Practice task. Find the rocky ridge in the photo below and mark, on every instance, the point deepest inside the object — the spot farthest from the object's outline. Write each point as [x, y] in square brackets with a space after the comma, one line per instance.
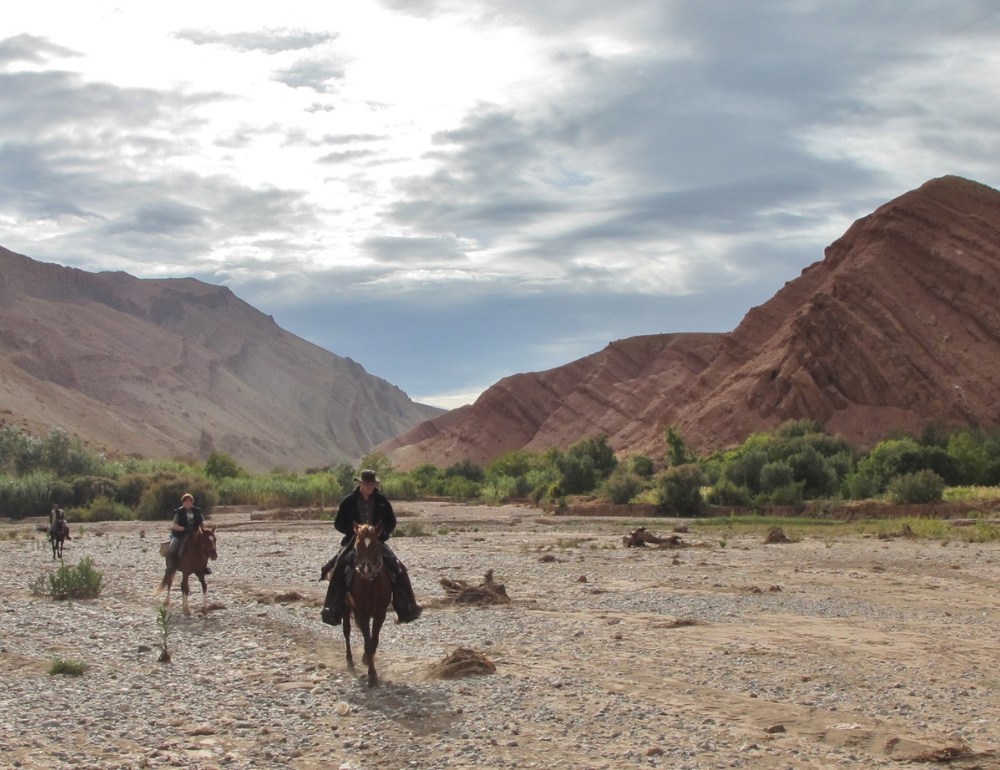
[177, 366]
[896, 328]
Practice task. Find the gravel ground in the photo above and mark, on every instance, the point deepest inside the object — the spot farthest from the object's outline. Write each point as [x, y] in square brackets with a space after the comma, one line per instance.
[851, 651]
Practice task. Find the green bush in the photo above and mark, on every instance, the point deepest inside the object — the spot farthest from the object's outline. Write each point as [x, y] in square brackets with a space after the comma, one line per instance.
[577, 474]
[641, 466]
[621, 486]
[499, 489]
[514, 463]
[601, 455]
[461, 488]
[921, 487]
[86, 488]
[28, 495]
[728, 493]
[165, 491]
[101, 509]
[775, 475]
[412, 529]
[61, 667]
[219, 465]
[859, 486]
[789, 494]
[79, 582]
[467, 469]
[678, 489]
[399, 486]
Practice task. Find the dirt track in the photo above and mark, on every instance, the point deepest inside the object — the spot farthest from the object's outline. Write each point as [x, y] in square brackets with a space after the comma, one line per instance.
[865, 652]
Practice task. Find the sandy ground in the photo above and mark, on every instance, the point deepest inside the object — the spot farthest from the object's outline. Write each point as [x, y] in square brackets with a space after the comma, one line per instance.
[824, 653]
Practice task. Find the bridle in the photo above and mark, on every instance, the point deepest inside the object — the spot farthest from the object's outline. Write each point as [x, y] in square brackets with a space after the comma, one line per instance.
[369, 568]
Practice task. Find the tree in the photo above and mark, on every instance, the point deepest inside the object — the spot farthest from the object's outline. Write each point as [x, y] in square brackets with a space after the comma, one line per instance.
[219, 465]
[677, 451]
[378, 462]
[678, 489]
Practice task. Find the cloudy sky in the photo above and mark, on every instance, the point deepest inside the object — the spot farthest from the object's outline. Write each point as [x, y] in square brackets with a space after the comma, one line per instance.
[451, 192]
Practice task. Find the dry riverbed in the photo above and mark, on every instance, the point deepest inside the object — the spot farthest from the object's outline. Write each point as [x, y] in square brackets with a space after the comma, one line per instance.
[829, 652]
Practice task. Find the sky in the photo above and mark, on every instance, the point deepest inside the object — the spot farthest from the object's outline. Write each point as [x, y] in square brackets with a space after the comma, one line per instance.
[453, 192]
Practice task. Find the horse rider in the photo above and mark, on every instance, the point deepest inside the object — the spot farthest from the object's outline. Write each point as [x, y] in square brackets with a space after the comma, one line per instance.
[187, 520]
[57, 522]
[366, 505]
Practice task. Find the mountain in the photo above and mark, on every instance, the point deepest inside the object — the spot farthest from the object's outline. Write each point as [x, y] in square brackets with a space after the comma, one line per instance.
[896, 328]
[176, 366]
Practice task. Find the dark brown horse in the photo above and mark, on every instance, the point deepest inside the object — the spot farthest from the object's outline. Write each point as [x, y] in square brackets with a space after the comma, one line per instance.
[58, 534]
[193, 559]
[371, 590]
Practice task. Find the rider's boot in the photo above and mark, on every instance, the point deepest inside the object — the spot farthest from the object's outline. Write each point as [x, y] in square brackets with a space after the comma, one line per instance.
[403, 600]
[333, 607]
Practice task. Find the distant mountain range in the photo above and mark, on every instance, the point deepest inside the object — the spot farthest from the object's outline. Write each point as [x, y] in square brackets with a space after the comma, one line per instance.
[897, 328]
[180, 367]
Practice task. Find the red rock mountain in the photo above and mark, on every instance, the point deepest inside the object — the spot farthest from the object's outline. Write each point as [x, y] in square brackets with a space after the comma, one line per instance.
[177, 366]
[898, 327]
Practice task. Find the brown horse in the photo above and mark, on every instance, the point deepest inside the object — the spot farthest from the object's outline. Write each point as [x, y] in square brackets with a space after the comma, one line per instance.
[57, 536]
[371, 590]
[194, 556]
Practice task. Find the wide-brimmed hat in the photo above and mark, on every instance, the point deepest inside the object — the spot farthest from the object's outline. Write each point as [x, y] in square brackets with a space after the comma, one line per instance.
[369, 477]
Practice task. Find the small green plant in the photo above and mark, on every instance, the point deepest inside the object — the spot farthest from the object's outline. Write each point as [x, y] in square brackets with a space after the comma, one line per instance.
[443, 530]
[79, 582]
[60, 667]
[411, 529]
[921, 487]
[723, 543]
[165, 622]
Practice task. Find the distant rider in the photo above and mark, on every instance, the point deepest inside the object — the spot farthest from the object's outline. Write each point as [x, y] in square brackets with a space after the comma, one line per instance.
[366, 505]
[57, 522]
[187, 520]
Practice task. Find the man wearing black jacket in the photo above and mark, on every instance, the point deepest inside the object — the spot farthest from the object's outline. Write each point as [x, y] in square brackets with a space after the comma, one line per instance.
[366, 505]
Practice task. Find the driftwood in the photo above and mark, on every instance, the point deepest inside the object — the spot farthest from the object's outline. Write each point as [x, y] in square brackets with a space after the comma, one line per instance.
[639, 538]
[776, 535]
[461, 663]
[487, 592]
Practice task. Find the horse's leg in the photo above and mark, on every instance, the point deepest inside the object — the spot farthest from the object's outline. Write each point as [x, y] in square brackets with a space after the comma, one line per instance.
[204, 593]
[347, 639]
[185, 590]
[369, 651]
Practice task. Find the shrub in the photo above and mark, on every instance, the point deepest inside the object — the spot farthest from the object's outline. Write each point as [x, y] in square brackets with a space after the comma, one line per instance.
[621, 486]
[789, 494]
[499, 489]
[514, 463]
[577, 474]
[744, 469]
[412, 529]
[728, 493]
[101, 509]
[86, 488]
[79, 582]
[165, 491]
[60, 667]
[921, 487]
[219, 465]
[678, 489]
[467, 469]
[399, 486]
[26, 495]
[600, 453]
[775, 475]
[641, 466]
[461, 488]
[677, 451]
[131, 488]
[859, 486]
[376, 461]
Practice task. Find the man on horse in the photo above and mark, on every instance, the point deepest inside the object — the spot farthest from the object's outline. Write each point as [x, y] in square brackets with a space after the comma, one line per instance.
[187, 520]
[366, 505]
[57, 522]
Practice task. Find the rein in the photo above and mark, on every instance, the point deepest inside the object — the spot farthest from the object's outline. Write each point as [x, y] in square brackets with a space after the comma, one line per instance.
[373, 565]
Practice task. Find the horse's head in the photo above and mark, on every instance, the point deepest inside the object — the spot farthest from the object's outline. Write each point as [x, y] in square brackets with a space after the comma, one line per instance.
[369, 549]
[208, 542]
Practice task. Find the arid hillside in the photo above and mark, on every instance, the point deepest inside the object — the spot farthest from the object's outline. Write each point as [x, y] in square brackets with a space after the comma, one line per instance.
[177, 366]
[896, 328]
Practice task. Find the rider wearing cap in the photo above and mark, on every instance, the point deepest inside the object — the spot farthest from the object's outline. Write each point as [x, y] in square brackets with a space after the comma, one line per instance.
[366, 505]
